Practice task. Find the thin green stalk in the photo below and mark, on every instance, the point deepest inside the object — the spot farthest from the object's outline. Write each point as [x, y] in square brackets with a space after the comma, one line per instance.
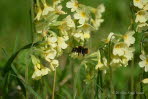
[132, 79]
[111, 72]
[54, 83]
[73, 77]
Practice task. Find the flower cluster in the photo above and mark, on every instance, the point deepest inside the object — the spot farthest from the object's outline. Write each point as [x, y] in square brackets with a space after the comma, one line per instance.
[142, 21]
[141, 15]
[120, 50]
[52, 42]
[58, 30]
[83, 21]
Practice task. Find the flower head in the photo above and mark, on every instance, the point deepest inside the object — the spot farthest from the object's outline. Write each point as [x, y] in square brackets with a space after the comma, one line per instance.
[119, 48]
[82, 16]
[144, 62]
[73, 4]
[140, 3]
[141, 16]
[128, 38]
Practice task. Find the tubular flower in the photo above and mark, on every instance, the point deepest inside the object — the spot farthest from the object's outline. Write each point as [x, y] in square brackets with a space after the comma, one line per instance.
[140, 3]
[144, 62]
[73, 4]
[39, 69]
[128, 38]
[101, 65]
[81, 16]
[119, 48]
[142, 27]
[141, 16]
[145, 81]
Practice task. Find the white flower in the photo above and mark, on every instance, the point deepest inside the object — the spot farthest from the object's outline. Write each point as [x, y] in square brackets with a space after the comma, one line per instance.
[119, 48]
[128, 38]
[78, 36]
[54, 64]
[110, 37]
[81, 16]
[142, 27]
[70, 22]
[115, 60]
[58, 9]
[97, 22]
[141, 16]
[101, 65]
[73, 4]
[47, 9]
[61, 43]
[45, 71]
[145, 7]
[128, 54]
[37, 74]
[144, 62]
[139, 3]
[86, 28]
[52, 41]
[50, 54]
[38, 16]
[145, 81]
[86, 35]
[100, 9]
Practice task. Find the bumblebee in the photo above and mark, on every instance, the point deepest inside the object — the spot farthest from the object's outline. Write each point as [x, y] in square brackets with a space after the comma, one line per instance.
[80, 50]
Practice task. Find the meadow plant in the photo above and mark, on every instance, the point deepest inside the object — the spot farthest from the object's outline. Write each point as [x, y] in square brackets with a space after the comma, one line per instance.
[59, 28]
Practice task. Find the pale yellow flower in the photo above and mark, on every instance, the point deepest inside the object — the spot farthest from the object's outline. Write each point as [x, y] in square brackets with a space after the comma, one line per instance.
[141, 16]
[144, 62]
[140, 3]
[47, 9]
[54, 64]
[50, 54]
[62, 43]
[101, 65]
[119, 48]
[70, 22]
[128, 53]
[52, 41]
[81, 16]
[110, 37]
[58, 9]
[128, 38]
[97, 22]
[79, 36]
[38, 16]
[145, 7]
[142, 27]
[38, 73]
[145, 81]
[100, 9]
[73, 4]
[86, 35]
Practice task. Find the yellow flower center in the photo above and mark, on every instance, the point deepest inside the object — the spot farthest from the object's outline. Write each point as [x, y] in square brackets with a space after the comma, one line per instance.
[83, 14]
[76, 4]
[147, 61]
[125, 36]
[137, 0]
[141, 13]
[118, 46]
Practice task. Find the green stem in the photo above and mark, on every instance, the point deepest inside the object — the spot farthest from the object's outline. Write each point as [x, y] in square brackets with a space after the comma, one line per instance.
[132, 78]
[54, 83]
[111, 73]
